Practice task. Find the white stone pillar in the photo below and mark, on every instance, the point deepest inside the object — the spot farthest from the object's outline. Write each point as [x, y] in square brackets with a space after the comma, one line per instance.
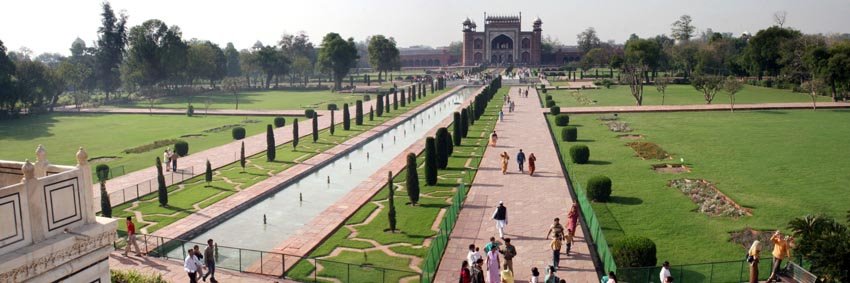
[41, 162]
[86, 186]
[35, 199]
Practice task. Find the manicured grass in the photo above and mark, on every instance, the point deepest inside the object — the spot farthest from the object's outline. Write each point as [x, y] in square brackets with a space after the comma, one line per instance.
[251, 100]
[111, 134]
[781, 164]
[414, 223]
[231, 178]
[619, 95]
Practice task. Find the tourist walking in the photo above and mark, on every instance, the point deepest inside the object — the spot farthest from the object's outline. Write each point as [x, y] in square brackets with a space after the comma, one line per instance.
[501, 116]
[465, 274]
[520, 160]
[509, 253]
[557, 229]
[197, 251]
[504, 156]
[166, 158]
[534, 274]
[780, 251]
[555, 245]
[501, 217]
[174, 156]
[550, 275]
[191, 266]
[665, 272]
[131, 237]
[209, 261]
[531, 167]
[477, 272]
[753, 259]
[572, 224]
[473, 255]
[612, 278]
[493, 139]
[493, 266]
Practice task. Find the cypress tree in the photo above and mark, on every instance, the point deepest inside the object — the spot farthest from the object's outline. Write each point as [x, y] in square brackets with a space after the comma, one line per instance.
[270, 148]
[208, 174]
[295, 136]
[102, 175]
[403, 99]
[451, 146]
[162, 190]
[315, 128]
[346, 118]
[371, 114]
[395, 100]
[413, 93]
[430, 161]
[380, 105]
[412, 179]
[456, 128]
[358, 113]
[387, 103]
[391, 201]
[464, 122]
[333, 127]
[442, 148]
[242, 156]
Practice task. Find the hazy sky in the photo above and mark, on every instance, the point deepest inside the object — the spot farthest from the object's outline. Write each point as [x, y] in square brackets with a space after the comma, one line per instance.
[51, 25]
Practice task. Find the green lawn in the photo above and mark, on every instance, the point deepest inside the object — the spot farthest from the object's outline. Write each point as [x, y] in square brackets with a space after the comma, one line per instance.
[194, 194]
[414, 222]
[252, 100]
[781, 164]
[111, 134]
[676, 95]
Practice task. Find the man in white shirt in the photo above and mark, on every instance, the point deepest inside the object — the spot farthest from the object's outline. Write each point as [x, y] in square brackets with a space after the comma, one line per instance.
[191, 265]
[472, 256]
[501, 217]
[665, 272]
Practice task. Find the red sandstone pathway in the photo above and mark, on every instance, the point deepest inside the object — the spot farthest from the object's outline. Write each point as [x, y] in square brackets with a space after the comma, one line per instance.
[698, 107]
[218, 156]
[172, 270]
[532, 202]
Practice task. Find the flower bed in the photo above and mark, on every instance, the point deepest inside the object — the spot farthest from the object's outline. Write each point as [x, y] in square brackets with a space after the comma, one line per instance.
[648, 150]
[710, 200]
[618, 126]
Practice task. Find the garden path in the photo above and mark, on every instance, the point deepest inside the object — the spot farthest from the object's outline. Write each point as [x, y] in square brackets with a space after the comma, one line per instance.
[698, 107]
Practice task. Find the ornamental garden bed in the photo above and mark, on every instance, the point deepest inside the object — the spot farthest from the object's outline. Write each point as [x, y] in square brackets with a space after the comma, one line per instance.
[670, 168]
[648, 150]
[710, 200]
[630, 137]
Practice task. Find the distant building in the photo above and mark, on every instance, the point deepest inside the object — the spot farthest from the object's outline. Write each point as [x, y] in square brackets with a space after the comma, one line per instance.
[502, 42]
[426, 57]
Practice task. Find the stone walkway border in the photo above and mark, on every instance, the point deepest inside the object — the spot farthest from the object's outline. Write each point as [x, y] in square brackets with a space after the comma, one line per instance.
[698, 107]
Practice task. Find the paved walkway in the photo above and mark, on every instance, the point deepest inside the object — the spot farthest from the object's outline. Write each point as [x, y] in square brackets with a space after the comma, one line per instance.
[697, 107]
[532, 202]
[145, 180]
[172, 270]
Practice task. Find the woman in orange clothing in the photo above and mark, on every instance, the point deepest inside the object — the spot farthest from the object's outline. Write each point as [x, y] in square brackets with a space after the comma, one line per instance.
[531, 160]
[493, 139]
[505, 159]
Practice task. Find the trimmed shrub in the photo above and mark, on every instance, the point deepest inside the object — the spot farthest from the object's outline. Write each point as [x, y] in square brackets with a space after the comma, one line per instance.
[580, 154]
[555, 110]
[332, 107]
[569, 133]
[371, 113]
[635, 251]
[208, 173]
[105, 204]
[161, 190]
[238, 133]
[379, 106]
[315, 130]
[358, 112]
[431, 161]
[101, 172]
[181, 148]
[190, 111]
[310, 113]
[412, 181]
[562, 120]
[548, 97]
[279, 122]
[442, 144]
[295, 135]
[391, 201]
[544, 90]
[242, 161]
[366, 97]
[346, 117]
[271, 150]
[457, 129]
[550, 103]
[599, 188]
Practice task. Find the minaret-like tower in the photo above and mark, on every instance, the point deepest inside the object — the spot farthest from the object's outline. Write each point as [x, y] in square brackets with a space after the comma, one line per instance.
[468, 30]
[536, 44]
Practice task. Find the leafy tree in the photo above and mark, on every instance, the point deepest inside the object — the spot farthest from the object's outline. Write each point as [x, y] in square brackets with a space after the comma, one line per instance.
[661, 85]
[412, 182]
[315, 128]
[587, 40]
[208, 174]
[162, 190]
[156, 54]
[763, 53]
[272, 62]
[431, 161]
[641, 55]
[709, 85]
[682, 29]
[299, 49]
[242, 156]
[231, 85]
[684, 56]
[270, 144]
[337, 56]
[732, 86]
[442, 145]
[295, 135]
[825, 243]
[346, 117]
[205, 61]
[102, 171]
[111, 43]
[391, 201]
[383, 54]
[233, 65]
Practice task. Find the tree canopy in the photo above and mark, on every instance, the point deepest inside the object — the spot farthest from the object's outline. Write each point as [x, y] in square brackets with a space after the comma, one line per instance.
[337, 57]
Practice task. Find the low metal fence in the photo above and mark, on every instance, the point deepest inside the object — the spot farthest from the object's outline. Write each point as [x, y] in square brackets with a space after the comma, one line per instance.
[140, 189]
[438, 244]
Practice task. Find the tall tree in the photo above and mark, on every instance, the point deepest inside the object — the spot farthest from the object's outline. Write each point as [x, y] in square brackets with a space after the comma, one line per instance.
[641, 55]
[391, 201]
[271, 150]
[301, 52]
[156, 53]
[272, 62]
[162, 189]
[295, 136]
[732, 86]
[383, 55]
[442, 146]
[205, 61]
[587, 40]
[457, 128]
[337, 57]
[111, 43]
[431, 161]
[233, 68]
[315, 128]
[412, 182]
[682, 29]
[346, 117]
[763, 53]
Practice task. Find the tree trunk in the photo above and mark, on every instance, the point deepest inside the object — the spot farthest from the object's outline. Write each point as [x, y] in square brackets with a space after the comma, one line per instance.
[268, 79]
[834, 99]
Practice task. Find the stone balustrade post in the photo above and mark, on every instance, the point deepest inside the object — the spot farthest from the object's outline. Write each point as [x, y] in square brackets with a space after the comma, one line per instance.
[35, 205]
[86, 185]
[41, 162]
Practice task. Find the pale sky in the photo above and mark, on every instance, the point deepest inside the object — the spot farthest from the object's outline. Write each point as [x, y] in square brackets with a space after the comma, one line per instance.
[51, 25]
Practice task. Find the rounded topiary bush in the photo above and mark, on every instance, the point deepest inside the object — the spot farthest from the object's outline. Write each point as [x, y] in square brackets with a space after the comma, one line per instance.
[562, 120]
[190, 111]
[279, 122]
[550, 103]
[310, 113]
[181, 148]
[544, 90]
[599, 188]
[548, 97]
[332, 107]
[580, 154]
[238, 133]
[635, 251]
[569, 134]
[366, 97]
[102, 172]
[555, 110]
